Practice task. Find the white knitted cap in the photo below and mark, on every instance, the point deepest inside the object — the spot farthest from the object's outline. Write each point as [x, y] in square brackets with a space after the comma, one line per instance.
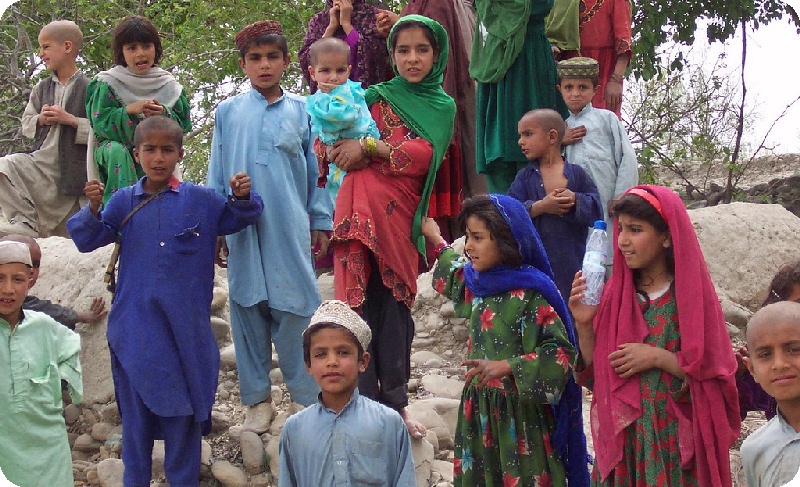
[339, 313]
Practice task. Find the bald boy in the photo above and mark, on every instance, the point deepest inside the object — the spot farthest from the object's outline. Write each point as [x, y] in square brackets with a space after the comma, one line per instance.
[38, 190]
[771, 455]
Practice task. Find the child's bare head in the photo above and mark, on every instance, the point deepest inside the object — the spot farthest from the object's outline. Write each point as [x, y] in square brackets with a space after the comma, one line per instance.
[327, 46]
[548, 119]
[62, 31]
[773, 342]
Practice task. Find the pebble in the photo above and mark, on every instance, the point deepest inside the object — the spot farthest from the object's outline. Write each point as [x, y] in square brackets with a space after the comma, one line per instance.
[114, 443]
[235, 431]
[86, 443]
[273, 455]
[110, 413]
[228, 474]
[102, 431]
[205, 453]
[109, 472]
[227, 385]
[71, 413]
[221, 329]
[252, 452]
[224, 395]
[276, 376]
[447, 310]
[277, 395]
[219, 299]
[219, 421]
[227, 358]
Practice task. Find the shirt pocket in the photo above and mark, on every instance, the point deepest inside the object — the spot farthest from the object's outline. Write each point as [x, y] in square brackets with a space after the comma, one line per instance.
[289, 138]
[367, 461]
[187, 241]
[45, 386]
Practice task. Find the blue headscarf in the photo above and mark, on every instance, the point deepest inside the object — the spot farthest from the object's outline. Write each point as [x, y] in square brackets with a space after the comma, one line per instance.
[535, 273]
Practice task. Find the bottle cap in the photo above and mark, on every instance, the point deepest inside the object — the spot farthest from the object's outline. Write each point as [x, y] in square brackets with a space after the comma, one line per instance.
[600, 225]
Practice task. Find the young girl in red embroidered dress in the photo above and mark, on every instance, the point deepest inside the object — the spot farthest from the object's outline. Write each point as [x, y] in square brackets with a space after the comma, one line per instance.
[656, 354]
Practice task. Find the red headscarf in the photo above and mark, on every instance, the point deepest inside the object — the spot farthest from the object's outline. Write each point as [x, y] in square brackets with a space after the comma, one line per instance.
[709, 424]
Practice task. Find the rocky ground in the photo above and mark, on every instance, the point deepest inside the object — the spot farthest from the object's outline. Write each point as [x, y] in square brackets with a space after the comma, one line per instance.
[760, 237]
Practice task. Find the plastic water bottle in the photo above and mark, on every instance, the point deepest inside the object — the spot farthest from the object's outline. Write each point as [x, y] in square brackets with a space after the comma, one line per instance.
[594, 263]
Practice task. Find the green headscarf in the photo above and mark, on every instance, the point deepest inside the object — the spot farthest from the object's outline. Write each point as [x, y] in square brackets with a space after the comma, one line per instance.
[423, 107]
[500, 28]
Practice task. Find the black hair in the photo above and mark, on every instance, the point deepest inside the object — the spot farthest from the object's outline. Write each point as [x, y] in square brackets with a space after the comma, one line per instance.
[321, 326]
[408, 24]
[595, 80]
[548, 119]
[135, 28]
[265, 39]
[783, 283]
[158, 123]
[637, 207]
[482, 208]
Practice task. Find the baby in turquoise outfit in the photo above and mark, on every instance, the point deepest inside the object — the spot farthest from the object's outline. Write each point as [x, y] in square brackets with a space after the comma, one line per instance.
[338, 110]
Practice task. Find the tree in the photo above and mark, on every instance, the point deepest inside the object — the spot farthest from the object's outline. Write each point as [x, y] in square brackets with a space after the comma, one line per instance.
[661, 22]
[198, 49]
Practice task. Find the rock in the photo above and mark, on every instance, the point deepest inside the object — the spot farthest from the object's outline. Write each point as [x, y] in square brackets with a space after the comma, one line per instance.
[735, 314]
[276, 376]
[86, 443]
[227, 358]
[114, 443]
[277, 425]
[253, 455]
[109, 472]
[424, 358]
[228, 475]
[219, 422]
[158, 456]
[422, 451]
[442, 386]
[71, 413]
[431, 437]
[277, 395]
[447, 310]
[91, 475]
[258, 417]
[460, 334]
[261, 480]
[221, 329]
[102, 431]
[235, 431]
[444, 469]
[424, 412]
[273, 456]
[219, 299]
[205, 453]
[110, 413]
[744, 244]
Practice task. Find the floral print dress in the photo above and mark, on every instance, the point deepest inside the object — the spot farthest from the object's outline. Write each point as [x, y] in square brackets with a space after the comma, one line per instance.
[503, 431]
[651, 454]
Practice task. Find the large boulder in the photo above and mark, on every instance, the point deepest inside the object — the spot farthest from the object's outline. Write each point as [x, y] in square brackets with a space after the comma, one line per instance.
[744, 244]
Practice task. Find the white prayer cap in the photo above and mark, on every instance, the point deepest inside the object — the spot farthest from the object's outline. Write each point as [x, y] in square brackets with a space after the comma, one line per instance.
[14, 253]
[339, 313]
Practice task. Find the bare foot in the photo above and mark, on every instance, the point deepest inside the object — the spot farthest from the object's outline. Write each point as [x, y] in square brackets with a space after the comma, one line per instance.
[415, 428]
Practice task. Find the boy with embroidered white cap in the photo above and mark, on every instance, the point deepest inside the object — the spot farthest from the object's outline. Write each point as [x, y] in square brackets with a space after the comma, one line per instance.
[36, 353]
[344, 438]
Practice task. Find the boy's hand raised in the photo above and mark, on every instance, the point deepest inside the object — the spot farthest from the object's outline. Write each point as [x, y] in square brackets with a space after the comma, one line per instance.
[240, 185]
[573, 135]
[94, 191]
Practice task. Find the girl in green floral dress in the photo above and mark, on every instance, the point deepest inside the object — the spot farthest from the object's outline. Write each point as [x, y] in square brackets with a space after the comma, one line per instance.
[119, 98]
[519, 421]
[656, 354]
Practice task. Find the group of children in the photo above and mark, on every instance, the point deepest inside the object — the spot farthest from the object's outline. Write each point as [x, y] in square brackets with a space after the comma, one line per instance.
[655, 352]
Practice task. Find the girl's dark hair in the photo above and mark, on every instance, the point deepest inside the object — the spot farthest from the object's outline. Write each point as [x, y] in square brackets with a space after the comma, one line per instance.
[135, 28]
[425, 30]
[482, 208]
[637, 207]
[787, 277]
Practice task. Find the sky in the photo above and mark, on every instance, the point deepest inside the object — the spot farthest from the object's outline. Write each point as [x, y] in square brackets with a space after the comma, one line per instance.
[772, 73]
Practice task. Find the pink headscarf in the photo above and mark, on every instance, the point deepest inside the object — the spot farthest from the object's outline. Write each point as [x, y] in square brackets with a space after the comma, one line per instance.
[709, 424]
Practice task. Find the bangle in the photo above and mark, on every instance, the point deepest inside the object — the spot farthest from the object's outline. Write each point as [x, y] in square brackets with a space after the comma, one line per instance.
[369, 146]
[437, 251]
[616, 77]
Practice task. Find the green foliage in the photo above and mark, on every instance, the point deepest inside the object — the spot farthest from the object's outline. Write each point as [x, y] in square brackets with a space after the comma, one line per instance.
[659, 22]
[198, 49]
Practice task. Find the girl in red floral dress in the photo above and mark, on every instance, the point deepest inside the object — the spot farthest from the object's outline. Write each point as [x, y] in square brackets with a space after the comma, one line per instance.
[657, 355]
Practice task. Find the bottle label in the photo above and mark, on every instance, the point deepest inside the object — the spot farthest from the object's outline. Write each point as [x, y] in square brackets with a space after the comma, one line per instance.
[594, 260]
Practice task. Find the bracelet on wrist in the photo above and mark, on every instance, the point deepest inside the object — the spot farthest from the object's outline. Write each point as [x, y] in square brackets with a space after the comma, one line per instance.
[437, 251]
[369, 146]
[616, 77]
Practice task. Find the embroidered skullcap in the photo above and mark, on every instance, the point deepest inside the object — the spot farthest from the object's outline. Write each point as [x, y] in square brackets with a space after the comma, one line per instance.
[255, 30]
[339, 313]
[578, 67]
[14, 253]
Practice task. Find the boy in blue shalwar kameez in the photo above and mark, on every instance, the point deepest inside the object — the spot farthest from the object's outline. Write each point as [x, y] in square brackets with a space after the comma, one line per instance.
[164, 358]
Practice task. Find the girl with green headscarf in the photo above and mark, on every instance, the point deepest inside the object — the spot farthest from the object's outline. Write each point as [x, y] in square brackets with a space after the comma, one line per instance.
[376, 239]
